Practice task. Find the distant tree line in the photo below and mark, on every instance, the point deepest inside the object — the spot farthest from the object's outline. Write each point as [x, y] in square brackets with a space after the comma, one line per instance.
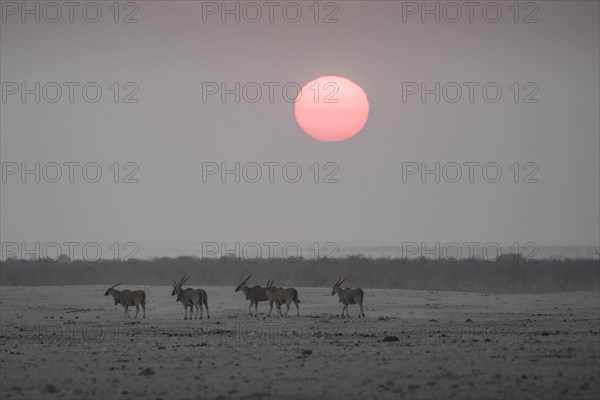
[508, 274]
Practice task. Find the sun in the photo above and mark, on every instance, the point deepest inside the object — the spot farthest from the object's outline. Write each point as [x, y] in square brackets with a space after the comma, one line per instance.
[331, 108]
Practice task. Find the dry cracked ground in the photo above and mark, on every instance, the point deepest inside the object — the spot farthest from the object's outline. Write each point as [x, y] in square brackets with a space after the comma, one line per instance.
[71, 342]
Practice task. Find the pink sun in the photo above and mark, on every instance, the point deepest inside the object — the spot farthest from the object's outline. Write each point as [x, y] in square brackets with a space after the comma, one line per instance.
[331, 108]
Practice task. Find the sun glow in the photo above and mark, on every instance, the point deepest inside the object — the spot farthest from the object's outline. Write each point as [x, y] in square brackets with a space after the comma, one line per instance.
[331, 108]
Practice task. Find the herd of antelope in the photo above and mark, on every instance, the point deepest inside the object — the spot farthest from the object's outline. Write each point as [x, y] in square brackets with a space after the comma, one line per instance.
[196, 298]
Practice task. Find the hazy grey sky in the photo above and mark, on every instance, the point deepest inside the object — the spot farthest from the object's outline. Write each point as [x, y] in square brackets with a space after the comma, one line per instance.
[170, 132]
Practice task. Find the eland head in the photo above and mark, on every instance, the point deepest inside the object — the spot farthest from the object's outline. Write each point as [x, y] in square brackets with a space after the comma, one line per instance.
[107, 293]
[338, 284]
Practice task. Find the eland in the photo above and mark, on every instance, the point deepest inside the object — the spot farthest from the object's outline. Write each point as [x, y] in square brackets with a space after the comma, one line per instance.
[190, 298]
[128, 298]
[255, 295]
[283, 295]
[349, 296]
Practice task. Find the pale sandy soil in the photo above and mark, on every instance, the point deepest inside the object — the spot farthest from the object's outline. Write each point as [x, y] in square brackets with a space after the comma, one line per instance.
[72, 342]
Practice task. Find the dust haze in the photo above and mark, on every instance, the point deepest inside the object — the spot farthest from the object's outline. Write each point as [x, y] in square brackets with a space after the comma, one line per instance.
[143, 143]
